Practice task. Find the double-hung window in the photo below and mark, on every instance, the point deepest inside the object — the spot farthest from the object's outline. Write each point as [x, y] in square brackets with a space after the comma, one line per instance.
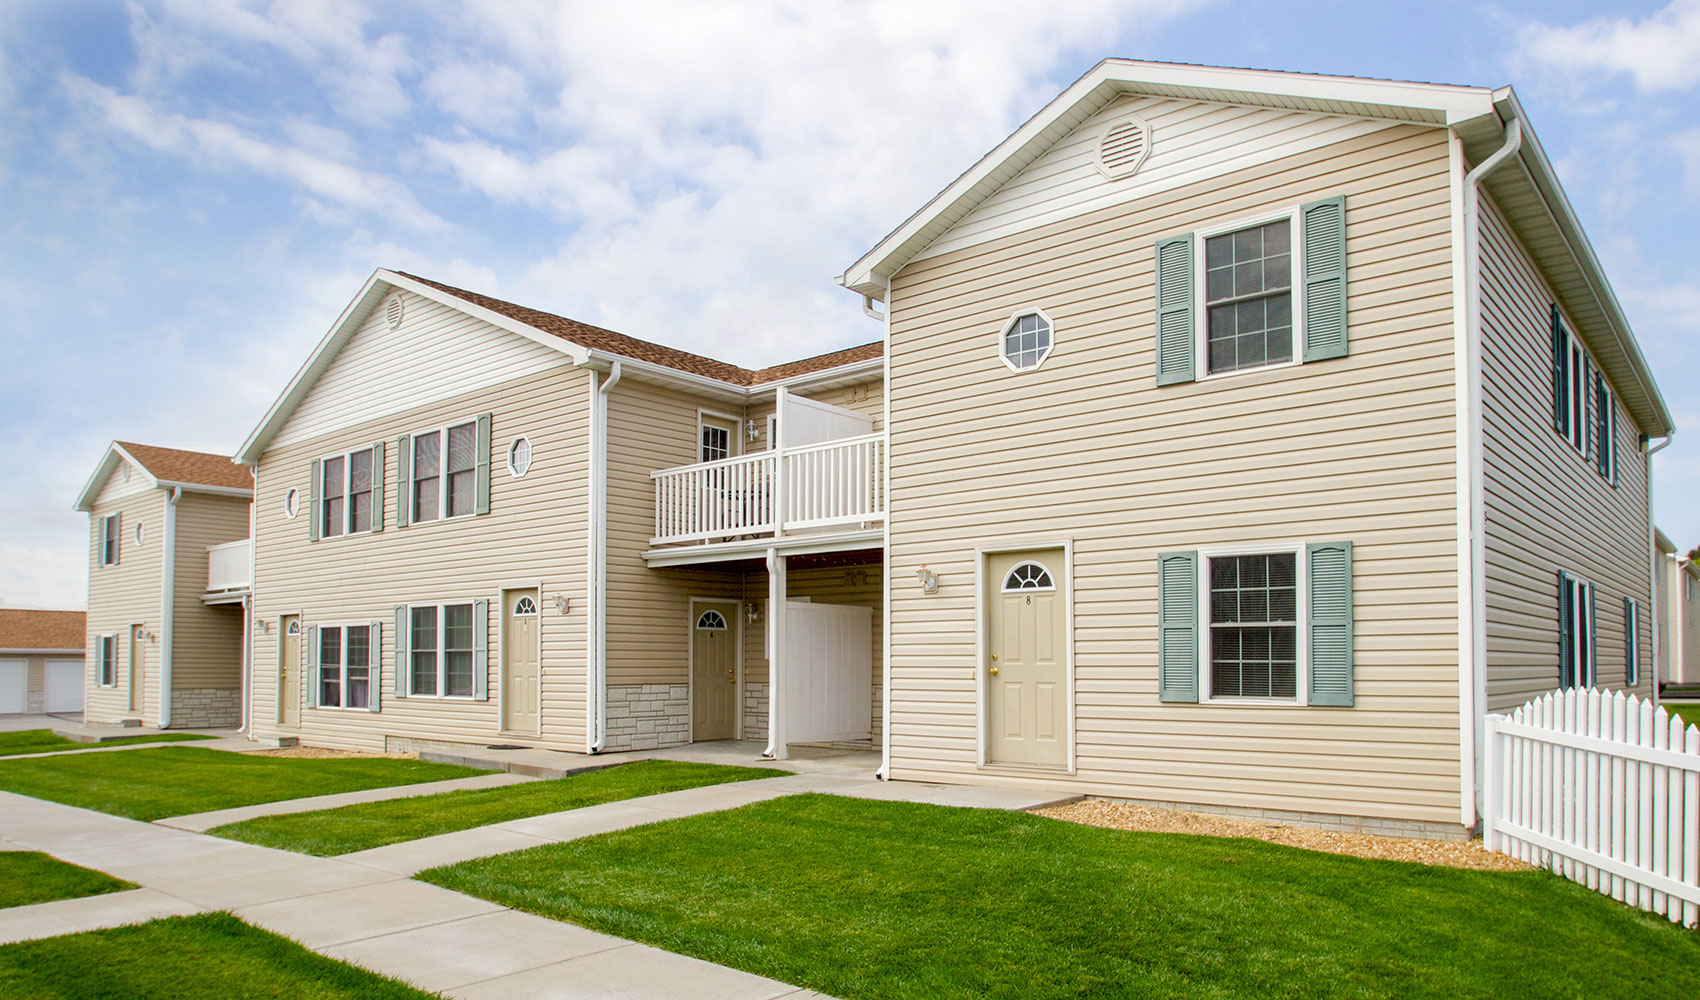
[445, 464]
[1584, 411]
[108, 660]
[1254, 625]
[109, 527]
[345, 666]
[1248, 297]
[1631, 641]
[1576, 646]
[345, 494]
[440, 650]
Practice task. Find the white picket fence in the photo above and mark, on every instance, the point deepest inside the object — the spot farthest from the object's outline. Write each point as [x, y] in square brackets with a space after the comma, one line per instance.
[1603, 789]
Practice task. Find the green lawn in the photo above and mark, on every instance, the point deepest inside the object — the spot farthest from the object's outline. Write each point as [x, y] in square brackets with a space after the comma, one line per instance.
[1689, 711]
[357, 828]
[43, 741]
[210, 956]
[31, 877]
[865, 899]
[172, 781]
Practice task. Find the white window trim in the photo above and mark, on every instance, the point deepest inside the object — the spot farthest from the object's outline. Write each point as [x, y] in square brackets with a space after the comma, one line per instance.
[100, 648]
[1301, 635]
[110, 528]
[1586, 598]
[1581, 411]
[1632, 628]
[292, 503]
[374, 668]
[1003, 344]
[442, 473]
[442, 659]
[734, 435]
[515, 472]
[1004, 588]
[1201, 312]
[347, 495]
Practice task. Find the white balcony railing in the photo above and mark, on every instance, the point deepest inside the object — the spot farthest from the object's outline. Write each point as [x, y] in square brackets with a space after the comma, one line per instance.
[836, 484]
[229, 566]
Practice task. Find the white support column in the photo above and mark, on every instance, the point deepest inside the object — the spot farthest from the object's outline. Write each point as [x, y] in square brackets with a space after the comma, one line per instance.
[776, 666]
[779, 491]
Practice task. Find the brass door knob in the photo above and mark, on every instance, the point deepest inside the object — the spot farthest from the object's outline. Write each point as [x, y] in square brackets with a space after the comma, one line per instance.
[994, 671]
[731, 678]
[994, 657]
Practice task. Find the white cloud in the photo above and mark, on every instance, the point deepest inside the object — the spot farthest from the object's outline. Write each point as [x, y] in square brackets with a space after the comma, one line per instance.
[485, 95]
[1661, 51]
[216, 144]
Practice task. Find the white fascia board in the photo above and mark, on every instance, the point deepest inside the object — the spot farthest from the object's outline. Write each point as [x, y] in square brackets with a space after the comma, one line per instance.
[1662, 541]
[1545, 179]
[1438, 103]
[33, 651]
[222, 491]
[852, 370]
[108, 461]
[601, 360]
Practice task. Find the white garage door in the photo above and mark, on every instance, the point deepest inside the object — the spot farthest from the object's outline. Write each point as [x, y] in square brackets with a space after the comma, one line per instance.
[64, 685]
[14, 676]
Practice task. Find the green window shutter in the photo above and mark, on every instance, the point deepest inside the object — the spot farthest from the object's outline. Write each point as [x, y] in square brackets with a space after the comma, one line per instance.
[378, 486]
[375, 672]
[402, 636]
[100, 552]
[313, 501]
[483, 475]
[403, 479]
[1177, 627]
[1175, 331]
[480, 650]
[1560, 384]
[1631, 625]
[313, 664]
[1329, 566]
[1323, 264]
[117, 538]
[1566, 669]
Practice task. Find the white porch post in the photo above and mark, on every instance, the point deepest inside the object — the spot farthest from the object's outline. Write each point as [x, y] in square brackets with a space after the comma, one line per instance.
[779, 491]
[776, 690]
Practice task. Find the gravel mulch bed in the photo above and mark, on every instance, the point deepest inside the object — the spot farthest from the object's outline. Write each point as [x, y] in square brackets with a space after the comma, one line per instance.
[321, 753]
[1124, 816]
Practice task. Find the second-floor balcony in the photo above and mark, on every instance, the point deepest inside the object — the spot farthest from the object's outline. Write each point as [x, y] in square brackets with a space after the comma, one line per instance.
[835, 485]
[230, 571]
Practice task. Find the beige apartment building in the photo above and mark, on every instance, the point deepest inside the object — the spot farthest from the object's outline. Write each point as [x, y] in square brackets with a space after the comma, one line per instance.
[1234, 439]
[169, 565]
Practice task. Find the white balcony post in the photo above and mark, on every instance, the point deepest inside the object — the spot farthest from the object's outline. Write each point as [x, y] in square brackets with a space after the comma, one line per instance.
[776, 687]
[779, 490]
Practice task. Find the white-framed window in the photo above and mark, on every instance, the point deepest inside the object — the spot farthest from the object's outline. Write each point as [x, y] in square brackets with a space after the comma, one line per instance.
[1604, 429]
[108, 653]
[1026, 340]
[110, 525]
[1029, 576]
[1576, 639]
[1631, 641]
[711, 621]
[292, 503]
[717, 435]
[444, 472]
[1253, 614]
[1247, 295]
[525, 607]
[346, 658]
[345, 493]
[1584, 409]
[139, 532]
[440, 661]
[519, 457]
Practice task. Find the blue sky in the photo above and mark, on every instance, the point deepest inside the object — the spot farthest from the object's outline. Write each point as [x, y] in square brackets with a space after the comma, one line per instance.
[191, 192]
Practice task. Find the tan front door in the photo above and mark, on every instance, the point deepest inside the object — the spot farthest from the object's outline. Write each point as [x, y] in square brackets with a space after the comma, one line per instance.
[1026, 667]
[289, 671]
[138, 667]
[714, 671]
[520, 621]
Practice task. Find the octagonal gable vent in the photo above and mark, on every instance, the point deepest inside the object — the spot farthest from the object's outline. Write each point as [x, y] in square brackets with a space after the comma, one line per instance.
[392, 311]
[1124, 147]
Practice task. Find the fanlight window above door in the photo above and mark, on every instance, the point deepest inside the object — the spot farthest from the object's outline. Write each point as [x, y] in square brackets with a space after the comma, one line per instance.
[1028, 576]
[525, 606]
[712, 620]
[295, 628]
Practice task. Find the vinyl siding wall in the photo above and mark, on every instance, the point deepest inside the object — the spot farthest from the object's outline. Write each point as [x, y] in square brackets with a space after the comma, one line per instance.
[1547, 508]
[535, 534]
[1088, 448]
[122, 595]
[206, 641]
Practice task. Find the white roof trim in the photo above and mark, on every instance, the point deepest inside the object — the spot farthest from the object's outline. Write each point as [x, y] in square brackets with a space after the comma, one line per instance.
[1429, 103]
[115, 453]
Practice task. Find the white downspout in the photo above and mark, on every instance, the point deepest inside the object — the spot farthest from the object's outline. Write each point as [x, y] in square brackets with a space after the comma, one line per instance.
[168, 598]
[596, 681]
[248, 629]
[884, 772]
[1649, 449]
[1472, 593]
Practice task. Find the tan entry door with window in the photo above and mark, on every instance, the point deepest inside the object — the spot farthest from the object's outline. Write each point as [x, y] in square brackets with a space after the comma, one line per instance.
[714, 671]
[289, 671]
[1026, 668]
[520, 622]
[138, 668]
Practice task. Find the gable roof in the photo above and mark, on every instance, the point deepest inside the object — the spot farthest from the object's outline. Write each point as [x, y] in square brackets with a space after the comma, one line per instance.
[583, 343]
[59, 631]
[1530, 194]
[197, 471]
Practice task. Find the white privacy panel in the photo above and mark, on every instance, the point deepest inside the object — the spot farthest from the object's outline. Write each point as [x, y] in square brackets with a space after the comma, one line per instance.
[829, 661]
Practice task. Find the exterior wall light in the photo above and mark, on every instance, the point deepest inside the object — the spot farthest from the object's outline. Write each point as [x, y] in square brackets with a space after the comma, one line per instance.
[929, 580]
[752, 612]
[562, 604]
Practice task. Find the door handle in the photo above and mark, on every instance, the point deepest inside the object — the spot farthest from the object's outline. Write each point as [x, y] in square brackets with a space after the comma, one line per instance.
[731, 678]
[994, 657]
[994, 671]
